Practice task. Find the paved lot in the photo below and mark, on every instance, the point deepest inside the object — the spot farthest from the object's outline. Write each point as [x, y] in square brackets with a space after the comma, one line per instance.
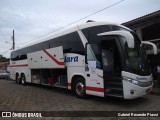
[15, 97]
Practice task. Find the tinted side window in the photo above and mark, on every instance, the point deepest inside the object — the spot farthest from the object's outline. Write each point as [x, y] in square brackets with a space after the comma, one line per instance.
[36, 47]
[17, 56]
[71, 43]
[91, 33]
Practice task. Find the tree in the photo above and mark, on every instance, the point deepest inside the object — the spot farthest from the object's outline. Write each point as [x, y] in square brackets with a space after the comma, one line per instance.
[3, 59]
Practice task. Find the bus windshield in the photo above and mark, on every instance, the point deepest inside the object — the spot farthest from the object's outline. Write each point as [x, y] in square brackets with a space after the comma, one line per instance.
[135, 60]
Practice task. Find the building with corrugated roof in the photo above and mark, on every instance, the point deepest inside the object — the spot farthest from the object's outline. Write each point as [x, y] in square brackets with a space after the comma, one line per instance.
[147, 27]
[4, 65]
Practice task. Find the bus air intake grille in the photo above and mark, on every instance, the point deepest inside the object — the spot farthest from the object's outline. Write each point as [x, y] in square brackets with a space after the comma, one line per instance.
[145, 84]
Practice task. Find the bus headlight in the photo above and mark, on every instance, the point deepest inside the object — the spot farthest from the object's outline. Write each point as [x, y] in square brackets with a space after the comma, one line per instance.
[135, 82]
[131, 80]
[139, 83]
[127, 79]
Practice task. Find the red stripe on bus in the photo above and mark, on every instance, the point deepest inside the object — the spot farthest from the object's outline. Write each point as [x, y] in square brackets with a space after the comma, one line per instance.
[95, 89]
[59, 63]
[22, 65]
[69, 84]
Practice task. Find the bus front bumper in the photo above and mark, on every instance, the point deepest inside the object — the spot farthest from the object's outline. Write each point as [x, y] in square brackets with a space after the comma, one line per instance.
[132, 91]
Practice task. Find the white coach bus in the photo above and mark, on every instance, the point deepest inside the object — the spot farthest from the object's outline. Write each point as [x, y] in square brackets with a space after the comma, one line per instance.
[95, 58]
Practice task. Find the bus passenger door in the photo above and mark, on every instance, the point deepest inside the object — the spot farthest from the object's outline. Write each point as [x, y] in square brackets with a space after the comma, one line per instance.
[112, 67]
[94, 73]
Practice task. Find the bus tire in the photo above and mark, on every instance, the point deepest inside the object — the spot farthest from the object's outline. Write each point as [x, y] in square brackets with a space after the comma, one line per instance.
[18, 81]
[79, 88]
[23, 79]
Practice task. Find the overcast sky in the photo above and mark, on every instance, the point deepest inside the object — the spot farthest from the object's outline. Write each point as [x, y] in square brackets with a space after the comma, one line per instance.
[33, 18]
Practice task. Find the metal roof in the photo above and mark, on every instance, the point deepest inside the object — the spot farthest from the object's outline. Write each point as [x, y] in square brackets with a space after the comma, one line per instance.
[3, 63]
[149, 17]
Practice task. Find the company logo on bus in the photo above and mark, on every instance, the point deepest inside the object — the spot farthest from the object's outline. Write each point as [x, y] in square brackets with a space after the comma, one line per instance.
[13, 63]
[141, 78]
[71, 59]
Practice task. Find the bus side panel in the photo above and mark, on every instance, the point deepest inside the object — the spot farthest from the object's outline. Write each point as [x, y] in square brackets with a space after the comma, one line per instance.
[28, 75]
[74, 71]
[48, 58]
[75, 64]
[76, 67]
[19, 66]
[94, 82]
[12, 73]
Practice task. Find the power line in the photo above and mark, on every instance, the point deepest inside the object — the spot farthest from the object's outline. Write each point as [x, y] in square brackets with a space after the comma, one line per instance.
[5, 52]
[3, 35]
[77, 20]
[4, 46]
[73, 22]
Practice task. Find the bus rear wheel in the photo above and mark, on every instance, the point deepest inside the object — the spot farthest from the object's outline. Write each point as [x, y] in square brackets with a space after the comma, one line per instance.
[79, 88]
[18, 81]
[23, 79]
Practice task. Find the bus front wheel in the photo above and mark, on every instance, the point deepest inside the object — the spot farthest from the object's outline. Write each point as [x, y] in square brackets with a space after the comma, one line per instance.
[79, 88]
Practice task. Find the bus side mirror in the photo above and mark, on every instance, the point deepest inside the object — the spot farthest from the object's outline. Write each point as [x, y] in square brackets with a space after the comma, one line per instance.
[149, 48]
[129, 37]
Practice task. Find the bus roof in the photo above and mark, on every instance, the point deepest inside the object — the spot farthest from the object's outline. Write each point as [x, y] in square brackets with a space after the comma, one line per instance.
[70, 30]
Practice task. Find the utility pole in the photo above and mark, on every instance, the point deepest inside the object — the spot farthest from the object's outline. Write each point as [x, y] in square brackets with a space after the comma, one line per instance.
[13, 41]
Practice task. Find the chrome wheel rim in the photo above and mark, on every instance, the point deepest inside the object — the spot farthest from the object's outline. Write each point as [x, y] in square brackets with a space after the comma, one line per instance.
[80, 88]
